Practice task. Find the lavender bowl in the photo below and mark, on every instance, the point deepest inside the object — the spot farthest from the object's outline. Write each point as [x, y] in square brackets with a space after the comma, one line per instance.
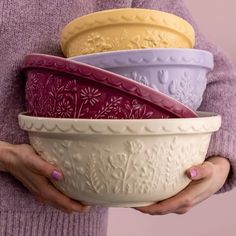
[59, 88]
[179, 73]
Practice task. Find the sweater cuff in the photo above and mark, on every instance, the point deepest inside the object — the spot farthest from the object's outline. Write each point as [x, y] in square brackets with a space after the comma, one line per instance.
[224, 144]
[53, 223]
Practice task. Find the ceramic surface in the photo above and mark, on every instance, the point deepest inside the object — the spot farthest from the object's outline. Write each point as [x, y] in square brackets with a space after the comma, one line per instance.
[121, 29]
[122, 163]
[179, 73]
[56, 87]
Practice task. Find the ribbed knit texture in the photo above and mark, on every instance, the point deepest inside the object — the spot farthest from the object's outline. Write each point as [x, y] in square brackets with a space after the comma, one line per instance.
[28, 26]
[26, 223]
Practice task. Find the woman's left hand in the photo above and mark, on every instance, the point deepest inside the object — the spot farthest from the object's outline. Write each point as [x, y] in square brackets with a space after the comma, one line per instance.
[207, 179]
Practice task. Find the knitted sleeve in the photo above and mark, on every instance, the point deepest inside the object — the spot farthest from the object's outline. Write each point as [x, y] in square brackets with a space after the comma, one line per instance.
[220, 94]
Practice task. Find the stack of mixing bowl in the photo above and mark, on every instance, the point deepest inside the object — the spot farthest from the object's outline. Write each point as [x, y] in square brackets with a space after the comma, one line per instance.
[118, 116]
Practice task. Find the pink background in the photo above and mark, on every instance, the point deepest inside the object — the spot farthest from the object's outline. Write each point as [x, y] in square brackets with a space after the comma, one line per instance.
[215, 216]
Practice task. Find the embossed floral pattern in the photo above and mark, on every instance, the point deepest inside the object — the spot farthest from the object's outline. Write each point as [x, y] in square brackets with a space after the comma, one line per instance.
[57, 97]
[151, 39]
[172, 32]
[135, 169]
[184, 91]
[90, 95]
[148, 38]
[163, 76]
[110, 109]
[138, 78]
[135, 110]
[96, 42]
[64, 109]
[63, 79]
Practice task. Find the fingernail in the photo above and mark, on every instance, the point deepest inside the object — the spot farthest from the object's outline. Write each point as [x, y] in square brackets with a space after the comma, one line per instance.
[86, 209]
[56, 175]
[193, 173]
[77, 208]
[81, 209]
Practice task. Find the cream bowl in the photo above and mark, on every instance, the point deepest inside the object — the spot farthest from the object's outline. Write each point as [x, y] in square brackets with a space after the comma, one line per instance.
[122, 163]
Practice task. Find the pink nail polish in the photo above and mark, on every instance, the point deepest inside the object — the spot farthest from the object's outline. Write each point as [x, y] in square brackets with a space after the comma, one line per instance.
[56, 175]
[193, 173]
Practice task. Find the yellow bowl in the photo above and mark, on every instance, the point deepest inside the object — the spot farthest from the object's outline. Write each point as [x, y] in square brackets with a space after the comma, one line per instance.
[122, 29]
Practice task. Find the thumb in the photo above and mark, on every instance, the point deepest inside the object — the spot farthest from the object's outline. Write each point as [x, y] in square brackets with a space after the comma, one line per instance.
[202, 171]
[46, 169]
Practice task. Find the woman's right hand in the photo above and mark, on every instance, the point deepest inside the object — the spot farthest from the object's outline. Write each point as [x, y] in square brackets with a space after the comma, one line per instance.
[35, 174]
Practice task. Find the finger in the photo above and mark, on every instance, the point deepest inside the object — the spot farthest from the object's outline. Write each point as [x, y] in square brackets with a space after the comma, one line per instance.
[85, 209]
[160, 208]
[39, 199]
[45, 192]
[69, 210]
[41, 167]
[201, 171]
[56, 198]
[186, 199]
[182, 211]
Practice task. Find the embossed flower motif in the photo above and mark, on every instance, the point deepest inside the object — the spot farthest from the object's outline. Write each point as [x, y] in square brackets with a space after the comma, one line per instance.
[136, 105]
[150, 39]
[93, 37]
[33, 84]
[154, 39]
[80, 170]
[119, 160]
[64, 109]
[66, 143]
[90, 95]
[134, 147]
[77, 156]
[96, 42]
[137, 77]
[163, 76]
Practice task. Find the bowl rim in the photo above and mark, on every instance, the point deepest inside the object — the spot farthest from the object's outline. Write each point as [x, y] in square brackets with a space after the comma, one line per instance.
[109, 79]
[126, 15]
[207, 122]
[155, 56]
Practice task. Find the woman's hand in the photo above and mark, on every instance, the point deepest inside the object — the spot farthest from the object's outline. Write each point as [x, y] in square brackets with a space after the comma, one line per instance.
[22, 162]
[207, 179]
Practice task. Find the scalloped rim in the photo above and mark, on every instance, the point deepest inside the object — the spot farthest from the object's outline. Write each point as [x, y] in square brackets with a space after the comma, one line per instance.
[140, 91]
[206, 123]
[126, 15]
[148, 57]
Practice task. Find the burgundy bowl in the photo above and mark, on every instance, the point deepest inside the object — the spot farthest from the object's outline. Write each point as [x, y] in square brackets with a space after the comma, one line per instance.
[59, 88]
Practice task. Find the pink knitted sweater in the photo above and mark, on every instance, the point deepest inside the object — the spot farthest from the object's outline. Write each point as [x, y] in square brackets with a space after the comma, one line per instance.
[28, 26]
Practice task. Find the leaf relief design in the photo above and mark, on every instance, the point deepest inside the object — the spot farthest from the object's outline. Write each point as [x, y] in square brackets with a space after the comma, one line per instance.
[183, 90]
[135, 110]
[109, 107]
